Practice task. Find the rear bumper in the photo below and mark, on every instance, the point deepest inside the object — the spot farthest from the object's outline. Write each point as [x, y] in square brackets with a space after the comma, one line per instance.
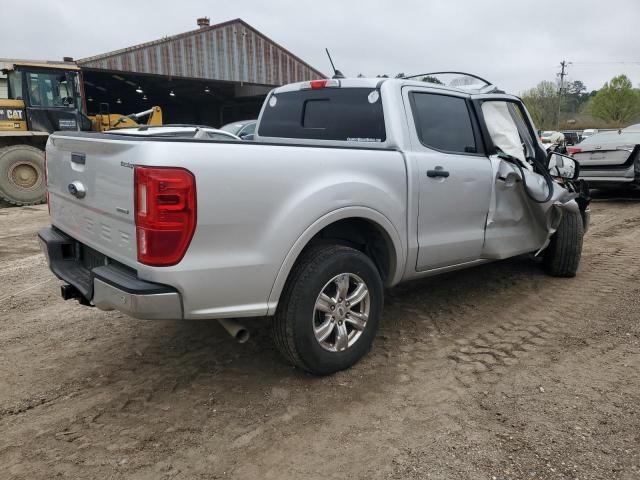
[611, 176]
[110, 286]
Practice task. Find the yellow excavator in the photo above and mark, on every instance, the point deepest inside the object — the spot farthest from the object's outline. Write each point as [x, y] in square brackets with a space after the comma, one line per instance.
[44, 97]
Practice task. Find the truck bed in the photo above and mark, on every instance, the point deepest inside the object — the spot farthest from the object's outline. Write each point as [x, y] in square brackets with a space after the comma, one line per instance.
[246, 194]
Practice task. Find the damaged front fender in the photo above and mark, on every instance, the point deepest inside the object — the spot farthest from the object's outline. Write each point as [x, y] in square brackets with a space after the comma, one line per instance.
[517, 224]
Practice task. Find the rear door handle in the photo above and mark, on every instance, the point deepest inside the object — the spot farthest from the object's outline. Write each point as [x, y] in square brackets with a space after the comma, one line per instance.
[437, 172]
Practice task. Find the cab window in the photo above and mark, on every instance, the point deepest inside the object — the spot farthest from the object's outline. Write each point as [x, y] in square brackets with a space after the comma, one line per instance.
[49, 89]
[15, 85]
[443, 122]
[343, 114]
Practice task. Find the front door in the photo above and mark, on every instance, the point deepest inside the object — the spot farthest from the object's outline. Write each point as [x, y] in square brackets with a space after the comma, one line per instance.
[454, 177]
[516, 223]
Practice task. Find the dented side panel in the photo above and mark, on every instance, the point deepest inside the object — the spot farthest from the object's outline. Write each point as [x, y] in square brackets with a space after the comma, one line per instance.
[516, 224]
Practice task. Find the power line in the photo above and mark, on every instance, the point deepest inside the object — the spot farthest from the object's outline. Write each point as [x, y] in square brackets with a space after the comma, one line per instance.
[605, 63]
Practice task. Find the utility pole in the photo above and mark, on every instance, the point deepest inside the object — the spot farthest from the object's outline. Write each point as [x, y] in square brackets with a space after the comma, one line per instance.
[562, 74]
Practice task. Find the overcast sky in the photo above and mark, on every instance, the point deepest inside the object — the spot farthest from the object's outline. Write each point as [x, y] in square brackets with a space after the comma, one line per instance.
[513, 43]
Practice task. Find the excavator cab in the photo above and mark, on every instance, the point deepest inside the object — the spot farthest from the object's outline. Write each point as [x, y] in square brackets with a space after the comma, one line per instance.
[45, 97]
[49, 98]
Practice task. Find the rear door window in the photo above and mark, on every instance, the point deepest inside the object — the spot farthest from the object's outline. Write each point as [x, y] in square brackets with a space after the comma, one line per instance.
[443, 122]
[346, 114]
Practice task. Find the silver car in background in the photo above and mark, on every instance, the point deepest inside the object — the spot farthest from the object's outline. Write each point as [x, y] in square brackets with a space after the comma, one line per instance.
[245, 129]
[178, 131]
[610, 159]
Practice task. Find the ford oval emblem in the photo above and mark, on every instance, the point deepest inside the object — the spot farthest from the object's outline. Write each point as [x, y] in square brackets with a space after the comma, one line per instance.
[77, 189]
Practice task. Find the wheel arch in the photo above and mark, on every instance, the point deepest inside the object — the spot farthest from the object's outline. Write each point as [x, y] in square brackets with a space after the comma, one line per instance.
[346, 224]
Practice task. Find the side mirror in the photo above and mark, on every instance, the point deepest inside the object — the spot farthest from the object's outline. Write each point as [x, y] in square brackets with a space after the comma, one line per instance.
[563, 166]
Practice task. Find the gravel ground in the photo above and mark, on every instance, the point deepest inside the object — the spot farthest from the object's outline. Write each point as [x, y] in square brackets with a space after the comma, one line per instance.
[497, 372]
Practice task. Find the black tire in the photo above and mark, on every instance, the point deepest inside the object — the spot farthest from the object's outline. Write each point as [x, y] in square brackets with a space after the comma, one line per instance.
[22, 175]
[562, 257]
[293, 326]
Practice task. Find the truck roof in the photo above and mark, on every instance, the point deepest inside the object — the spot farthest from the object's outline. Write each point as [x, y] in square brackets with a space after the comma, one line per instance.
[375, 82]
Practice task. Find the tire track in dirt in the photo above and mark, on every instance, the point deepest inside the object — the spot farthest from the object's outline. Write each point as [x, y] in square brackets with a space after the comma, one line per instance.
[618, 228]
[180, 393]
[482, 358]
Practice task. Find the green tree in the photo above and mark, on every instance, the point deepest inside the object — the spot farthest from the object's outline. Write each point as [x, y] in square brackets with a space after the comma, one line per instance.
[617, 102]
[542, 103]
[575, 87]
[431, 79]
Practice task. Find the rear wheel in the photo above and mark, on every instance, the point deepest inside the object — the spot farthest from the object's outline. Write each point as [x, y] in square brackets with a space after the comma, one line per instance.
[328, 315]
[562, 257]
[22, 175]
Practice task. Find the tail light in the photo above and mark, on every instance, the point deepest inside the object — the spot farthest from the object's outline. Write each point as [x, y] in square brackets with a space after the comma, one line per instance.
[165, 214]
[573, 150]
[318, 84]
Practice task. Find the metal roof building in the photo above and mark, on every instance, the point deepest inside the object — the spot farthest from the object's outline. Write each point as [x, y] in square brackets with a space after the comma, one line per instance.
[231, 51]
[211, 75]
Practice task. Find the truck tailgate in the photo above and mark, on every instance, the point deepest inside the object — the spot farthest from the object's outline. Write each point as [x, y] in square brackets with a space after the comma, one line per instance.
[90, 184]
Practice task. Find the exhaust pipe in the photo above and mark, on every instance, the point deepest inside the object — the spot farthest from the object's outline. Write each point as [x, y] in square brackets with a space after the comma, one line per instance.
[235, 329]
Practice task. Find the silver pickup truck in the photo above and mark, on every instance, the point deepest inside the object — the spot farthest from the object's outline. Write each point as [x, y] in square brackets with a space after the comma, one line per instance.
[352, 186]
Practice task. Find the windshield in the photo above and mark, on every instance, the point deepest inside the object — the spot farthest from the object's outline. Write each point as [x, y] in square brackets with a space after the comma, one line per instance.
[234, 127]
[53, 89]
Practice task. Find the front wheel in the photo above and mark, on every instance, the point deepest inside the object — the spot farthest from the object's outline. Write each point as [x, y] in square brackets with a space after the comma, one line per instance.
[562, 257]
[328, 314]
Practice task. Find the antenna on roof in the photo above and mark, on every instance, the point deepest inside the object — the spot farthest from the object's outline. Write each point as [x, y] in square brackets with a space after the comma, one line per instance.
[336, 73]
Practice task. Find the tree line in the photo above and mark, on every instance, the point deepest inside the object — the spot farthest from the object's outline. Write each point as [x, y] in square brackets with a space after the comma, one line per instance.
[615, 105]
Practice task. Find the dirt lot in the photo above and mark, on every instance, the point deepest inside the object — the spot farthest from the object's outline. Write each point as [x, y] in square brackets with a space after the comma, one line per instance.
[498, 372]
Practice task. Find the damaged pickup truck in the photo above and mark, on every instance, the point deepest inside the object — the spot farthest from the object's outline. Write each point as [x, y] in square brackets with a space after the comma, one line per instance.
[351, 186]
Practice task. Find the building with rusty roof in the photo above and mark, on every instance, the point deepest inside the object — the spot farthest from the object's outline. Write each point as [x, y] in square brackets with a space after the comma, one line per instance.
[211, 75]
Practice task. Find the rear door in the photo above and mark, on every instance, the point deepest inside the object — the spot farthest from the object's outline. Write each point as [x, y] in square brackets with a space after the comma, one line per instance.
[90, 184]
[454, 178]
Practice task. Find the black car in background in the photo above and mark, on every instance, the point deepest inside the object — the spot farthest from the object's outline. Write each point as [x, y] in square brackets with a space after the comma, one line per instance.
[571, 138]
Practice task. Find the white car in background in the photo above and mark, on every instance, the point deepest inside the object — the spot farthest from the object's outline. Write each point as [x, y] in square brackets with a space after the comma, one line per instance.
[551, 136]
[179, 131]
[588, 132]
